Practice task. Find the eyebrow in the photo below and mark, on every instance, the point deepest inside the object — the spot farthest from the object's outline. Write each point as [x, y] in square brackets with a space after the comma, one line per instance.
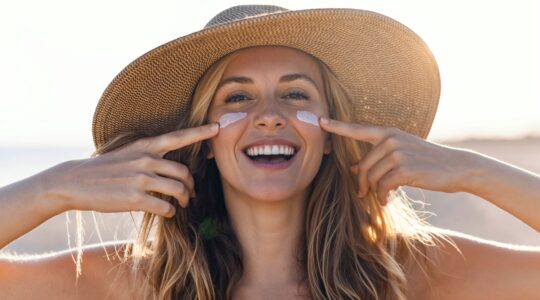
[284, 78]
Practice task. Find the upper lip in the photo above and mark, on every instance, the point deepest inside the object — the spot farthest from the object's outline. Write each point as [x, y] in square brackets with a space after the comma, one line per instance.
[272, 141]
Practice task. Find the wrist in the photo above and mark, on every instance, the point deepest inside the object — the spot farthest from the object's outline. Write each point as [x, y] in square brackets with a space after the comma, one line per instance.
[51, 200]
[475, 173]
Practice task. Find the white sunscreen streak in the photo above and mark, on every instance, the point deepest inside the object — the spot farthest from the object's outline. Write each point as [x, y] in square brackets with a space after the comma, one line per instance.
[228, 119]
[307, 117]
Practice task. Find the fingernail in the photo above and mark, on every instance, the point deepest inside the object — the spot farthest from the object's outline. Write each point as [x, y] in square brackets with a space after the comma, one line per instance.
[214, 126]
[324, 121]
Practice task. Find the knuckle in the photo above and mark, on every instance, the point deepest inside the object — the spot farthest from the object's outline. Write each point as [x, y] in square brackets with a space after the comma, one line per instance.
[136, 199]
[397, 156]
[393, 132]
[181, 190]
[177, 134]
[211, 128]
[365, 162]
[141, 143]
[141, 179]
[145, 161]
[392, 141]
[183, 170]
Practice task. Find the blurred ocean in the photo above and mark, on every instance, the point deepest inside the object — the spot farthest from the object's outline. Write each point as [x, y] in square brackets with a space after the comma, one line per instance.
[458, 211]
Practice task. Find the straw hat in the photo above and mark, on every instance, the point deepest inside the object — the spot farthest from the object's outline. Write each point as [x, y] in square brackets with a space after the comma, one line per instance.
[388, 70]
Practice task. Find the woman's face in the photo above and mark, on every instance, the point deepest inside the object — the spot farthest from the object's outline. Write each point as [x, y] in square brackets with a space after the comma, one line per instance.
[269, 154]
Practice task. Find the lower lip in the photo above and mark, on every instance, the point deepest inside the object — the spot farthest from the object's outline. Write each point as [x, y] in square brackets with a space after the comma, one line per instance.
[272, 166]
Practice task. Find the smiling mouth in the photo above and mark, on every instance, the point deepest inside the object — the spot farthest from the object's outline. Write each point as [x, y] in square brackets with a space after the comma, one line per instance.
[271, 159]
[270, 154]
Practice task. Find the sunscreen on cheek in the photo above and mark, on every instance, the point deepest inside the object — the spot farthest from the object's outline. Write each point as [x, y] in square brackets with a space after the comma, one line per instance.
[228, 119]
[307, 117]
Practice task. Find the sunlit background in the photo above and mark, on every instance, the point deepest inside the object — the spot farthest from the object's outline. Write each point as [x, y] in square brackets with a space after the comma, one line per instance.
[57, 57]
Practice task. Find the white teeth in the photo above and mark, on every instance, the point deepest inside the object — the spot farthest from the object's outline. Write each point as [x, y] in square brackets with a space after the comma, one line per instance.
[270, 150]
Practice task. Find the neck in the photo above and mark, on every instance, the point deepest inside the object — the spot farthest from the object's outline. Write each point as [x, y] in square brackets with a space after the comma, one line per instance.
[270, 233]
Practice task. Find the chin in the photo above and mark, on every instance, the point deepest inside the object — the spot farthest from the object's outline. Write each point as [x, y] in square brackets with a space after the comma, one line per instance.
[272, 193]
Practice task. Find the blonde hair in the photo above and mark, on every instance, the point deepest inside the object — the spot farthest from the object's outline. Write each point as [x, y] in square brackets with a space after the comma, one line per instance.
[352, 248]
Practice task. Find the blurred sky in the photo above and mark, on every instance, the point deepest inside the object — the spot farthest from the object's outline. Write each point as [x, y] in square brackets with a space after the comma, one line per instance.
[57, 57]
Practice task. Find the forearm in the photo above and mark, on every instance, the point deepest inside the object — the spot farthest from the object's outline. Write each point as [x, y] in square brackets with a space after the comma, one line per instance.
[515, 190]
[24, 205]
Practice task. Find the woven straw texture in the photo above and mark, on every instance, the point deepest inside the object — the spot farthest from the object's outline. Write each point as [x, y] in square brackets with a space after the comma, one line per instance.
[388, 70]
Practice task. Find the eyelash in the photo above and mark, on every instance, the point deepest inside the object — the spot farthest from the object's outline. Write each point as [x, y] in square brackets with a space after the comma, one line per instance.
[302, 96]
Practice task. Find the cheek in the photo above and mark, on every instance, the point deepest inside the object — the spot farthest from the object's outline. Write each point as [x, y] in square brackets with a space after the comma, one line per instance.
[307, 117]
[231, 118]
[319, 140]
[223, 145]
[313, 137]
[308, 123]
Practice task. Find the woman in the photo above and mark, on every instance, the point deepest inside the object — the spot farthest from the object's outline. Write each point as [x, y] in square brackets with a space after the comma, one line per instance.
[243, 146]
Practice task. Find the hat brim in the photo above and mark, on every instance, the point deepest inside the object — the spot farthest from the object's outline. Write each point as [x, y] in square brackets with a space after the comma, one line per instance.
[390, 73]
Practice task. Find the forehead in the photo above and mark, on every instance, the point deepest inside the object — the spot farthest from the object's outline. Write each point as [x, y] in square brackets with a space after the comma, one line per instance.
[271, 58]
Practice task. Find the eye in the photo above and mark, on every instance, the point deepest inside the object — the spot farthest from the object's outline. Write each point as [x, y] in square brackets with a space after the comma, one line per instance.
[296, 95]
[236, 98]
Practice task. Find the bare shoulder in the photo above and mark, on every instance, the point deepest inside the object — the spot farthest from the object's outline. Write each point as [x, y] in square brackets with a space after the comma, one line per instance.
[104, 275]
[110, 273]
[467, 267]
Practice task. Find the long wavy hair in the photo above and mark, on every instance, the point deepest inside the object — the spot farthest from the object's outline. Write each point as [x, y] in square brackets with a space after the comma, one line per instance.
[352, 248]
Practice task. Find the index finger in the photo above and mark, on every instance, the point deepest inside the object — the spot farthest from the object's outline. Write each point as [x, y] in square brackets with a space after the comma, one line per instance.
[370, 134]
[180, 138]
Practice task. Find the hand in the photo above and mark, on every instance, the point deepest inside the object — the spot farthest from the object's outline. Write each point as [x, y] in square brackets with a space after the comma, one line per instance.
[399, 158]
[119, 180]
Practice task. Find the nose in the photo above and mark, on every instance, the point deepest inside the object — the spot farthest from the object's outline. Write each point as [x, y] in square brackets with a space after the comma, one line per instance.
[268, 115]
